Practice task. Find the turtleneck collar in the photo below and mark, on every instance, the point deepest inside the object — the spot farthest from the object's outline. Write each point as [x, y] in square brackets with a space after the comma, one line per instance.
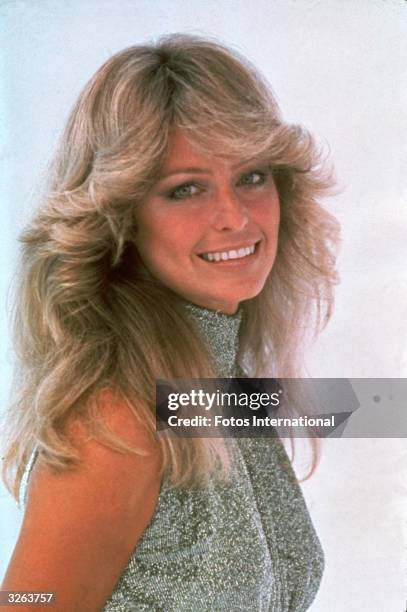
[220, 332]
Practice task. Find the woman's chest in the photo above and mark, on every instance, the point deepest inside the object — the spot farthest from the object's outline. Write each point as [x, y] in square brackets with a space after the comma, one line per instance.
[227, 546]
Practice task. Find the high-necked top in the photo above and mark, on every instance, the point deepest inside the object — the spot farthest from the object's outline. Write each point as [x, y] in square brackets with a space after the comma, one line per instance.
[246, 544]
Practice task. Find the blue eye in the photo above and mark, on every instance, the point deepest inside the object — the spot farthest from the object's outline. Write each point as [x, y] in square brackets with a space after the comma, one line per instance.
[253, 178]
[182, 192]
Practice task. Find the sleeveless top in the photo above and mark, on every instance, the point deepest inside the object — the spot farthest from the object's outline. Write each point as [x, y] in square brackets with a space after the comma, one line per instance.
[245, 544]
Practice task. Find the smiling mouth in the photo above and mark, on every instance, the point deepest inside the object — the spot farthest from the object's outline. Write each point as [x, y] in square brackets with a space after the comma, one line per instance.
[217, 256]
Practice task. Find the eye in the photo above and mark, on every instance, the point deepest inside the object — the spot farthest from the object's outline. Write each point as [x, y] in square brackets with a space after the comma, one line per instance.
[184, 191]
[254, 178]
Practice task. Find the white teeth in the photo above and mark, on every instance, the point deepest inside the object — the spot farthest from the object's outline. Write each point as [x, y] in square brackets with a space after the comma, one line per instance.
[225, 255]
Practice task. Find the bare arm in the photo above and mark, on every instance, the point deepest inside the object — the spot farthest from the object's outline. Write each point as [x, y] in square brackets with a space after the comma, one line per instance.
[81, 526]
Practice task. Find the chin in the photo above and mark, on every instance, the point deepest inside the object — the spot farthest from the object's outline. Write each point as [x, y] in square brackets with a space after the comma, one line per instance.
[231, 303]
[249, 293]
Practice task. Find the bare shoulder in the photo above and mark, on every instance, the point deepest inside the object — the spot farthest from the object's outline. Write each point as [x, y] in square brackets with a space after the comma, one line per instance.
[102, 470]
[82, 524]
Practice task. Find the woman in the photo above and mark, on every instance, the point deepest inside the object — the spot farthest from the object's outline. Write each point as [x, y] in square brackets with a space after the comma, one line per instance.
[181, 238]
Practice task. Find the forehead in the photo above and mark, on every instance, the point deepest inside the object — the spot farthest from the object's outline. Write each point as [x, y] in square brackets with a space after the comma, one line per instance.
[182, 152]
[185, 153]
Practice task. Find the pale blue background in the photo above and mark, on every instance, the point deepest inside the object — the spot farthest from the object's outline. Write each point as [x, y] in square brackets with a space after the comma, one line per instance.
[339, 68]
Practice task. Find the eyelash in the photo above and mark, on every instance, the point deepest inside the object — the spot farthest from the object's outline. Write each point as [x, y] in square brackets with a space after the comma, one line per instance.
[261, 173]
[172, 193]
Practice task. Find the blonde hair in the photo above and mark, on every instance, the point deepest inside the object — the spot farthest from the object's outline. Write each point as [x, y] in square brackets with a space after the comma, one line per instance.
[88, 314]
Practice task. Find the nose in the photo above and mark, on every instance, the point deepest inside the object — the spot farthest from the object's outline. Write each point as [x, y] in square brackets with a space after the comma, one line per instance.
[229, 212]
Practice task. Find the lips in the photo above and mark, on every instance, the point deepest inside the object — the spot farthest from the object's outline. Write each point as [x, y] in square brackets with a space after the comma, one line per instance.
[230, 253]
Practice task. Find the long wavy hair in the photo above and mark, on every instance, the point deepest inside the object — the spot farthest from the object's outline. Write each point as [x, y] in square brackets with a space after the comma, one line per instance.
[89, 317]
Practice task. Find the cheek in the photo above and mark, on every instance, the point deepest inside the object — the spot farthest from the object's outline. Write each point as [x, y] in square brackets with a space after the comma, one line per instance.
[268, 217]
[163, 240]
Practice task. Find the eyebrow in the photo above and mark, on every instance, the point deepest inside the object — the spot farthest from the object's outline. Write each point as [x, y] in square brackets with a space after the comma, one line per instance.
[188, 170]
[195, 170]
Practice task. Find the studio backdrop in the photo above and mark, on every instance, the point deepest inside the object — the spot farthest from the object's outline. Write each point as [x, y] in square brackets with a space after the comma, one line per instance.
[339, 69]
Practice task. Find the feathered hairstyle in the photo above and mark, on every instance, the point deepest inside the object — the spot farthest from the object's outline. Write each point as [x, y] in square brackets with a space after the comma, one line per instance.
[88, 316]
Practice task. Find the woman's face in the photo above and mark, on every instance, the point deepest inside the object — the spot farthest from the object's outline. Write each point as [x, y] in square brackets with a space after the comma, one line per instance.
[208, 229]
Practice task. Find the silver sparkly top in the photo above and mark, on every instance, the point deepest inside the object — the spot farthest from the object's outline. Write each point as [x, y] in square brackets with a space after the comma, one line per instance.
[220, 333]
[247, 544]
